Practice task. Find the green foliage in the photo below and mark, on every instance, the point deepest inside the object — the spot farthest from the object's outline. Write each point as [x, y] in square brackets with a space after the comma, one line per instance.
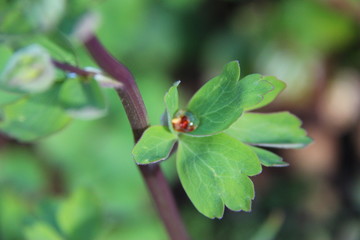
[222, 100]
[329, 28]
[79, 19]
[268, 158]
[5, 54]
[77, 217]
[214, 172]
[57, 45]
[34, 116]
[28, 17]
[35, 102]
[13, 211]
[29, 70]
[172, 104]
[42, 230]
[187, 37]
[8, 98]
[42, 107]
[156, 144]
[212, 162]
[82, 98]
[278, 87]
[280, 130]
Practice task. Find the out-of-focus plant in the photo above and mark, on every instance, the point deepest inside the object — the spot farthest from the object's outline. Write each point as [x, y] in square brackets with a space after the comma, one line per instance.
[218, 140]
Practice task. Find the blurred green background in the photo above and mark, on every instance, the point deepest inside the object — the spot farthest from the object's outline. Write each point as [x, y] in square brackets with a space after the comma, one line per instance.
[82, 182]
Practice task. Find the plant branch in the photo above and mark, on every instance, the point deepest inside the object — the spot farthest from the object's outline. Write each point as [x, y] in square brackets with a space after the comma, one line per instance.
[137, 115]
[72, 69]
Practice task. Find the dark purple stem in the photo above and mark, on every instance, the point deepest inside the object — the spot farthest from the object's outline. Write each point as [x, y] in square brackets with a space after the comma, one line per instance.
[137, 115]
[71, 69]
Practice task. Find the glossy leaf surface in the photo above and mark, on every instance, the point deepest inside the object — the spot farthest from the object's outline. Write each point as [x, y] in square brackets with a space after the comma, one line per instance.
[278, 87]
[154, 145]
[281, 130]
[222, 100]
[268, 158]
[214, 172]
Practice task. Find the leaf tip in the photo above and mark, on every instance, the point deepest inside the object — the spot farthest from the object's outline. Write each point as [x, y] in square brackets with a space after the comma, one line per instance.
[177, 83]
[233, 67]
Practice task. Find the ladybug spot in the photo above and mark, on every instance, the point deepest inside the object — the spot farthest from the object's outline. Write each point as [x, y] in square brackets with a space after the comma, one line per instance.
[184, 122]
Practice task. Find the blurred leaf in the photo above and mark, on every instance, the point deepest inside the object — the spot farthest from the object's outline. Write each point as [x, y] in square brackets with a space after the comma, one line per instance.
[21, 172]
[221, 101]
[24, 17]
[78, 217]
[268, 158]
[214, 172]
[172, 103]
[58, 48]
[35, 116]
[149, 230]
[45, 14]
[102, 176]
[29, 70]
[13, 18]
[270, 228]
[8, 98]
[183, 4]
[12, 214]
[83, 98]
[154, 145]
[5, 54]
[329, 28]
[298, 69]
[42, 231]
[281, 130]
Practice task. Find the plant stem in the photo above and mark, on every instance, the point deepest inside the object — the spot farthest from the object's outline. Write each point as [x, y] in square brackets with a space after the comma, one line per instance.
[72, 69]
[137, 115]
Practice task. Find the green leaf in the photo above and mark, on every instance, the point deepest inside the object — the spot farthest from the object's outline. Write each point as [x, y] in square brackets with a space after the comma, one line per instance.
[221, 101]
[214, 172]
[5, 54]
[172, 103]
[278, 87]
[79, 216]
[41, 231]
[216, 103]
[268, 158]
[14, 208]
[29, 70]
[281, 130]
[35, 116]
[27, 17]
[154, 145]
[8, 98]
[83, 99]
[59, 52]
[253, 89]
